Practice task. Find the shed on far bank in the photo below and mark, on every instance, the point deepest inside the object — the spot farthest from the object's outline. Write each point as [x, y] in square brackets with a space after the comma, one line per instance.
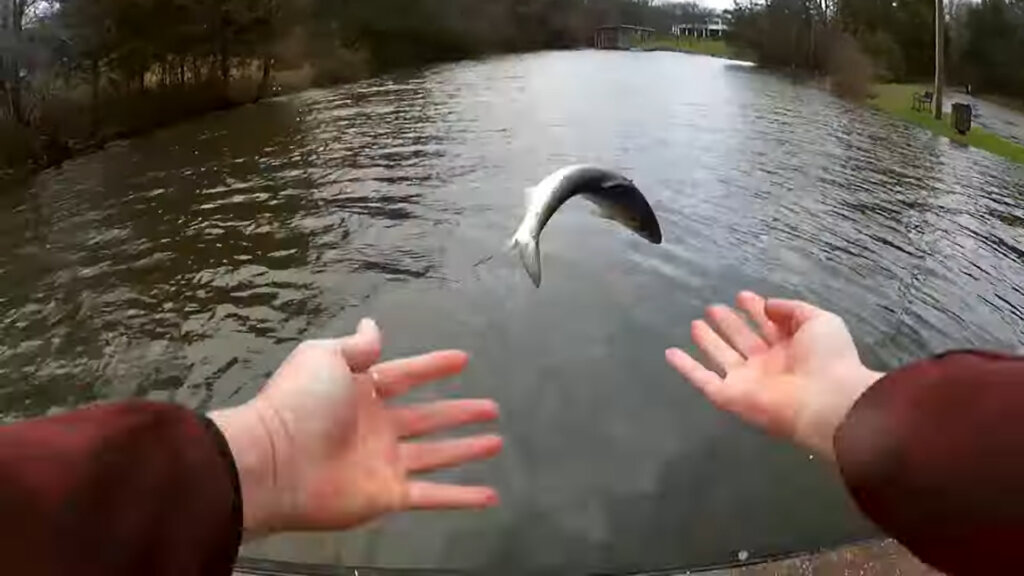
[621, 36]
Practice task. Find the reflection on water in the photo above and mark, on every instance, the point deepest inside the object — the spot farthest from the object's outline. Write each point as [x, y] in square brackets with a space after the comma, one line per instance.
[185, 265]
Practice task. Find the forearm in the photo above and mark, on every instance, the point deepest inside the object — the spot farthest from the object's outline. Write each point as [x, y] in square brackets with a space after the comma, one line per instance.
[132, 488]
[932, 454]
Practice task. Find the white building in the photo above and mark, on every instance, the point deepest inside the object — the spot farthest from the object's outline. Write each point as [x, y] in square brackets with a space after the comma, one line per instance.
[710, 28]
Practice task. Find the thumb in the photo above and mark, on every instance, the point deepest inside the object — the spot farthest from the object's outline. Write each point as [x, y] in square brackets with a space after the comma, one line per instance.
[790, 315]
[362, 349]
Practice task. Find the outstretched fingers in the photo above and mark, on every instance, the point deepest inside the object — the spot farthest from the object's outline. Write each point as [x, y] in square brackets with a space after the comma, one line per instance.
[434, 496]
[428, 456]
[736, 331]
[720, 352]
[708, 382]
[754, 305]
[423, 419]
[397, 377]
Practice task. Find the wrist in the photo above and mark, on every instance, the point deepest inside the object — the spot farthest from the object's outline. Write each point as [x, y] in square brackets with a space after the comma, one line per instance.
[846, 390]
[249, 439]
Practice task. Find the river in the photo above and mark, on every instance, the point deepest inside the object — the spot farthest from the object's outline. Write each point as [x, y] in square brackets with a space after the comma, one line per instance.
[185, 265]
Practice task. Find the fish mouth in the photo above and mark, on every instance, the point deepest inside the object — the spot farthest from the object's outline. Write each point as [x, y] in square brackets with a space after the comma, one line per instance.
[653, 236]
[649, 230]
[628, 207]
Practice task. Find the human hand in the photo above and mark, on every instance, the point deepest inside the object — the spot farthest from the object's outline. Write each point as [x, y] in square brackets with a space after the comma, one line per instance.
[320, 449]
[796, 376]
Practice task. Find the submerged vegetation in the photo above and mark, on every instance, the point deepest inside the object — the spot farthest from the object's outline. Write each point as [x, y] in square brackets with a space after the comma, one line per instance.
[895, 99]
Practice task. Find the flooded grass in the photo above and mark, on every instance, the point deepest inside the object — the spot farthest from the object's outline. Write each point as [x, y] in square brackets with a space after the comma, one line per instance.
[706, 46]
[896, 99]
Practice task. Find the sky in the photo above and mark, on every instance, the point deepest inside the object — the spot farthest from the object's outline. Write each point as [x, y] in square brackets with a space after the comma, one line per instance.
[716, 4]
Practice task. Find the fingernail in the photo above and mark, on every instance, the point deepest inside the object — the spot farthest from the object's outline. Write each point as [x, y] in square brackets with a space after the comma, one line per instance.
[492, 500]
[367, 324]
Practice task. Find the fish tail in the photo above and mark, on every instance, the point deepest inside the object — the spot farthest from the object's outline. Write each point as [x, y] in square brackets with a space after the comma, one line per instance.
[529, 253]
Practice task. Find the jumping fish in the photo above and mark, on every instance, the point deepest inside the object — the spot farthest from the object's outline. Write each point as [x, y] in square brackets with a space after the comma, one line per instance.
[616, 197]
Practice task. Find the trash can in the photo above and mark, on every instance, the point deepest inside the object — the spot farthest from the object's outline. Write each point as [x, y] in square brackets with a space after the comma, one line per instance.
[962, 117]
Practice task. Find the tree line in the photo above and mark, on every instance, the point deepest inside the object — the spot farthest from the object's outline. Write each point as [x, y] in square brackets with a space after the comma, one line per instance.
[984, 43]
[76, 72]
[79, 71]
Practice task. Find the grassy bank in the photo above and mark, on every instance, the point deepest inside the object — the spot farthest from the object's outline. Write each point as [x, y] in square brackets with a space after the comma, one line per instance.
[707, 46]
[70, 124]
[896, 100]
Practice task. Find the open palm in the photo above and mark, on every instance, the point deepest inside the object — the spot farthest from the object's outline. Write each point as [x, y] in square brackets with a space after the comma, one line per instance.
[796, 375]
[339, 454]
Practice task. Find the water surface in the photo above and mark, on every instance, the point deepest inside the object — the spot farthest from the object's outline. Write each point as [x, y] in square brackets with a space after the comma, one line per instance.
[185, 265]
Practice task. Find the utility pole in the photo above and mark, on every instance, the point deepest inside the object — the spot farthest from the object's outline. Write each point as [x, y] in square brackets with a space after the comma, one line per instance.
[940, 53]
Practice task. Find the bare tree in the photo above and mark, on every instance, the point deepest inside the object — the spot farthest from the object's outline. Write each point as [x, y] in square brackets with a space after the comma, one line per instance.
[15, 14]
[940, 53]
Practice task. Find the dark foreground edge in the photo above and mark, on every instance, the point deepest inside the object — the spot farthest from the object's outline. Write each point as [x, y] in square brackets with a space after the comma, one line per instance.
[871, 558]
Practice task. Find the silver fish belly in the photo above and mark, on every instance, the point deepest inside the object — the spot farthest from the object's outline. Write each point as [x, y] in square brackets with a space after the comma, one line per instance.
[614, 194]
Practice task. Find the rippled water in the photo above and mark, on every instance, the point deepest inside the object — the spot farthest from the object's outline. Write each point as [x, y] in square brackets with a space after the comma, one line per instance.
[186, 265]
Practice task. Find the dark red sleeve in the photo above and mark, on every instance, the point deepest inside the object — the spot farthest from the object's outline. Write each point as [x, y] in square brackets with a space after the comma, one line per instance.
[122, 489]
[934, 454]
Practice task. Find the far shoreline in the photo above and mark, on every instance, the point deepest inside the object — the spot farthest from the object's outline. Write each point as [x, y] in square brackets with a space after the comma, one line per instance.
[714, 47]
[890, 99]
[893, 100]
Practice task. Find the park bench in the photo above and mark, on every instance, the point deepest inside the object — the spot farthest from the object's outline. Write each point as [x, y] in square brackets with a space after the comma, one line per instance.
[923, 101]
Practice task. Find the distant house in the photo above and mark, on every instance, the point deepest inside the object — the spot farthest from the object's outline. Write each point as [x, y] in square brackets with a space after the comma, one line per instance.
[711, 28]
[621, 37]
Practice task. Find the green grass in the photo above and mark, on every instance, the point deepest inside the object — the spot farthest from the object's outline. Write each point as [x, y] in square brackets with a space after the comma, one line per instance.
[896, 99]
[707, 46]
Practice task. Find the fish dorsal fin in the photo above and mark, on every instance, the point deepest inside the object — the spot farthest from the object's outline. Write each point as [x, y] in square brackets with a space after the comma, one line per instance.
[612, 184]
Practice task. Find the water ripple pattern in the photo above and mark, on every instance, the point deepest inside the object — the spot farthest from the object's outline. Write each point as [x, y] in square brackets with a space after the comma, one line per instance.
[185, 265]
